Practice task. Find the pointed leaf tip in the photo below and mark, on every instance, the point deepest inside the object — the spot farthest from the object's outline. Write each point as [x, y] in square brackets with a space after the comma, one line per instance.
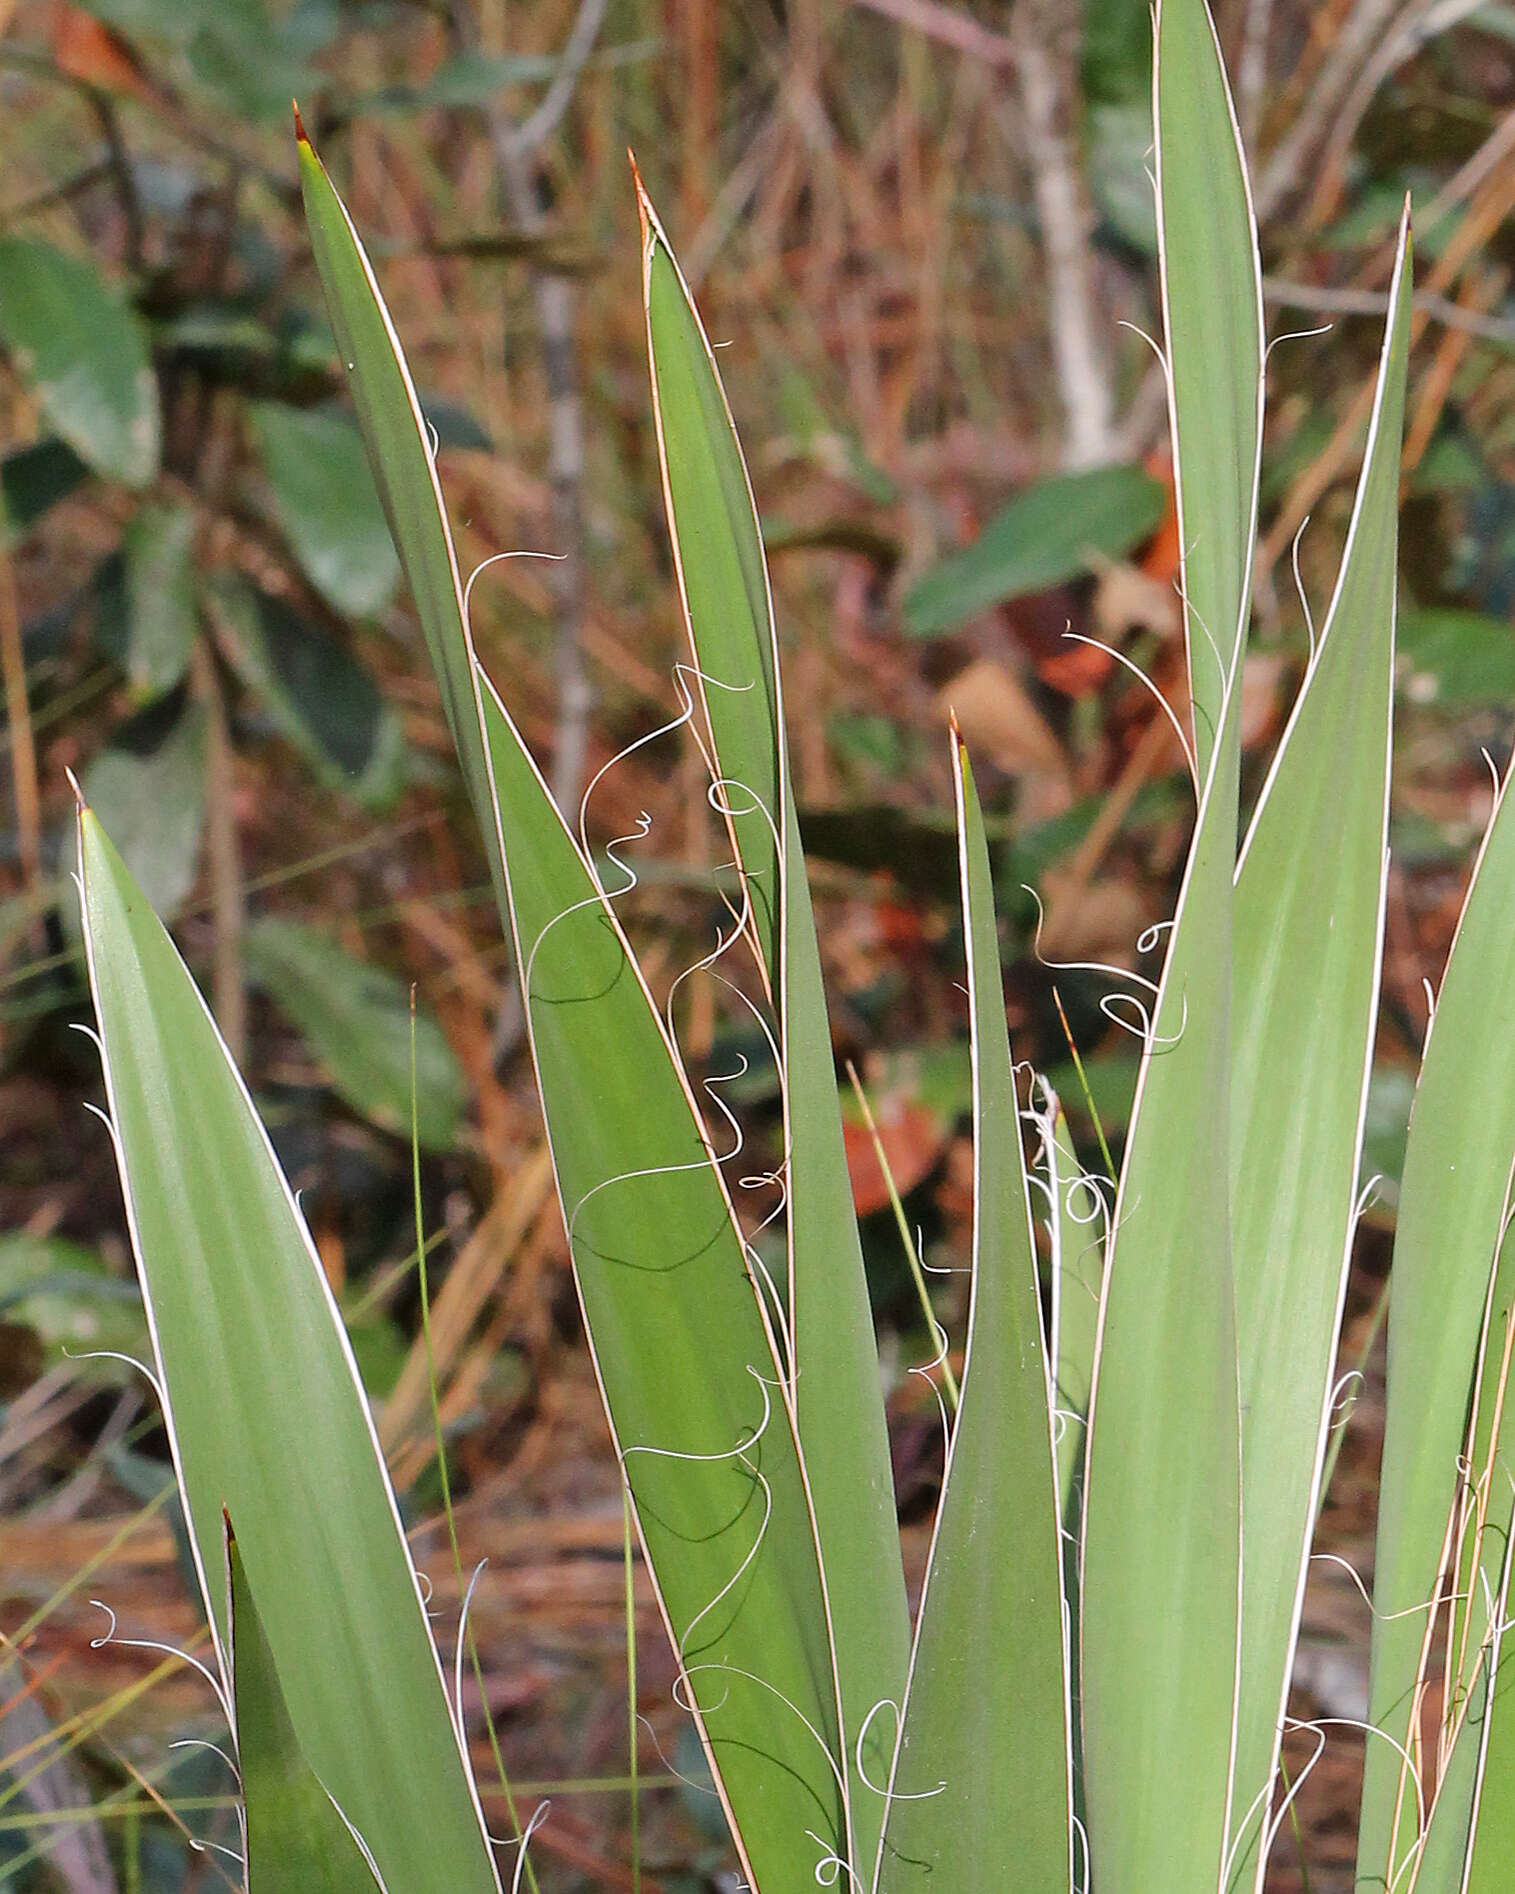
[646, 215]
[302, 137]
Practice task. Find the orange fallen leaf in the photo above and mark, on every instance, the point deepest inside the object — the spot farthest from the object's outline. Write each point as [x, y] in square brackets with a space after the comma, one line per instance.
[913, 1141]
[88, 50]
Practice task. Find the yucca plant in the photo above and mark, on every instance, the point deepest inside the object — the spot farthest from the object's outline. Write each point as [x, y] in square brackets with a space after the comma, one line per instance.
[1093, 1690]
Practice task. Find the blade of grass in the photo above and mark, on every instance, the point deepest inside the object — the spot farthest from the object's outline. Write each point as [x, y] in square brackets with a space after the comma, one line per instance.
[1084, 1088]
[907, 1239]
[980, 1792]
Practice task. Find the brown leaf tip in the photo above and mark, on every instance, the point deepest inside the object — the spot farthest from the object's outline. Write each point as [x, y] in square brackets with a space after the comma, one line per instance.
[73, 783]
[645, 215]
[302, 137]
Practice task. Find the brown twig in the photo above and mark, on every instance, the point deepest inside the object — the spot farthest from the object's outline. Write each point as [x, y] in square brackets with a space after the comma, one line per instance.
[1045, 48]
[1423, 22]
[55, 194]
[1480, 291]
[19, 716]
[516, 148]
[1286, 170]
[1349, 301]
[119, 171]
[1490, 206]
[1252, 69]
[947, 27]
[471, 1281]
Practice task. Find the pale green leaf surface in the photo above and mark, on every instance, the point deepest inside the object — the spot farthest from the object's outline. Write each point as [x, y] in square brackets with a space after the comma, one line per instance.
[357, 1020]
[719, 557]
[1077, 1209]
[1491, 1869]
[1453, 659]
[1162, 1513]
[266, 1415]
[686, 1362]
[1452, 1206]
[84, 355]
[159, 546]
[326, 504]
[1308, 922]
[297, 1842]
[1212, 300]
[982, 1784]
[718, 552]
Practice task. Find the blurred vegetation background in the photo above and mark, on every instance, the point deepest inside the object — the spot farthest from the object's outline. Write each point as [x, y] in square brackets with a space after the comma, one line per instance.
[922, 239]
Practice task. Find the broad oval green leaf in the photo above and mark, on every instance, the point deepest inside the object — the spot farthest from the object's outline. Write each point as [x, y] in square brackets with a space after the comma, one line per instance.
[32, 481]
[159, 545]
[326, 504]
[357, 1019]
[322, 699]
[1452, 659]
[73, 1304]
[1056, 530]
[84, 355]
